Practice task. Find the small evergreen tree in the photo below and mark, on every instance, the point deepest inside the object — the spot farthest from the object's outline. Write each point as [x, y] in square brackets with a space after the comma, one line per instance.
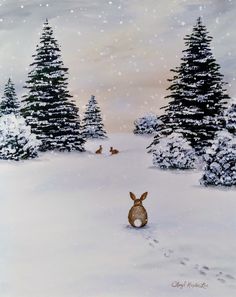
[230, 116]
[48, 106]
[174, 152]
[220, 166]
[92, 122]
[198, 97]
[16, 140]
[9, 103]
[147, 124]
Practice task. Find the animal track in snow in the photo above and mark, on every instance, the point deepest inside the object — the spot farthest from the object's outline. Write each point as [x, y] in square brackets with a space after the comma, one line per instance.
[168, 253]
[184, 261]
[151, 241]
[229, 276]
[203, 270]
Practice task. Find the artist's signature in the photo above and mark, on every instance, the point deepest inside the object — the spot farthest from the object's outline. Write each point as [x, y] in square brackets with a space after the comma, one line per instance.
[189, 285]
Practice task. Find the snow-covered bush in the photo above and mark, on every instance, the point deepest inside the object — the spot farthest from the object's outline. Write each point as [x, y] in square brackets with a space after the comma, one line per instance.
[220, 166]
[174, 151]
[16, 140]
[147, 124]
[230, 116]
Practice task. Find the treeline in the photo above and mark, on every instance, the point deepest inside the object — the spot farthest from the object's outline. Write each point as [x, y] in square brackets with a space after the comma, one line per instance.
[47, 117]
[199, 120]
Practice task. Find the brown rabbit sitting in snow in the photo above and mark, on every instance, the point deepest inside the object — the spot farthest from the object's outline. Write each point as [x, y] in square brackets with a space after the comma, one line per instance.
[138, 214]
[99, 151]
[113, 151]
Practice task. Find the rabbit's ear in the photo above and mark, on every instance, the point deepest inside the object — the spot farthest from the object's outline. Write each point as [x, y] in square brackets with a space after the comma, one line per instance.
[132, 196]
[144, 196]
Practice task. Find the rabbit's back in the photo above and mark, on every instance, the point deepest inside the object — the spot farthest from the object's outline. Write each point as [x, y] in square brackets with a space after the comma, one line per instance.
[137, 213]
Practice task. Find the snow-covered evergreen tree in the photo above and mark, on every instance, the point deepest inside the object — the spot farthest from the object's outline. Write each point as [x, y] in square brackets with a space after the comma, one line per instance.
[147, 124]
[92, 126]
[220, 167]
[174, 152]
[16, 140]
[230, 116]
[9, 103]
[197, 93]
[48, 106]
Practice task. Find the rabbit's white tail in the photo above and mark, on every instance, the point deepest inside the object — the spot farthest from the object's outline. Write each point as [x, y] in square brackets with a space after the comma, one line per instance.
[138, 223]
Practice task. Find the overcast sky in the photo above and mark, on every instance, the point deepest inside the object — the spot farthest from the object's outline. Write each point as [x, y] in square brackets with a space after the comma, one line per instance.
[119, 50]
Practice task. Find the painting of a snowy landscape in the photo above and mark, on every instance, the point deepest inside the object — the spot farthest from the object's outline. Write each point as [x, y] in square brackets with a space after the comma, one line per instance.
[117, 148]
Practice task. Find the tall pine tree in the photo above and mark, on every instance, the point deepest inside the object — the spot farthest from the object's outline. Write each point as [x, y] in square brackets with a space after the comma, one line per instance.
[92, 122]
[48, 106]
[9, 103]
[198, 95]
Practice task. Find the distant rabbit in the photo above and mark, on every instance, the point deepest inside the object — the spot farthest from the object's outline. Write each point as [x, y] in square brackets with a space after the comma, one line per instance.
[113, 151]
[138, 215]
[99, 151]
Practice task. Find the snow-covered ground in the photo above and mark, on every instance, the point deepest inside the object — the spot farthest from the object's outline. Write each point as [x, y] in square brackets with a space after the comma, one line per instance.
[64, 229]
